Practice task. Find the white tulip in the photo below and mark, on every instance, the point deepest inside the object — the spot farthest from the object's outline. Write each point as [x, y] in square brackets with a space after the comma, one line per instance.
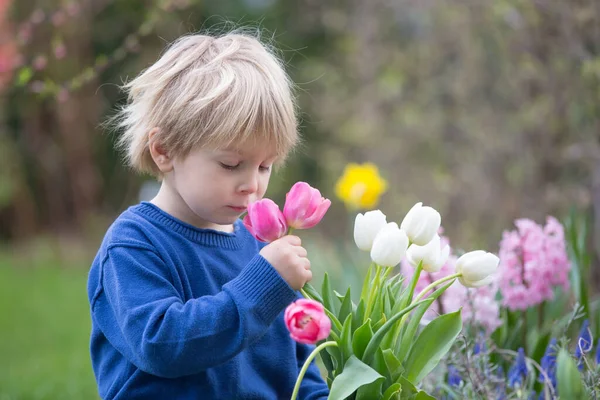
[389, 246]
[477, 268]
[421, 224]
[366, 228]
[431, 255]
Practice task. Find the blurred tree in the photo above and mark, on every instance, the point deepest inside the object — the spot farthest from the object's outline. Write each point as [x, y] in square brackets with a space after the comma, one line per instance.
[487, 110]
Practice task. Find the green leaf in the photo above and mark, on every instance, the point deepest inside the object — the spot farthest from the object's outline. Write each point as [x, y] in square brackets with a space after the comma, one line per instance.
[327, 362]
[377, 312]
[432, 344]
[336, 356]
[379, 365]
[339, 296]
[328, 295]
[361, 338]
[392, 392]
[345, 342]
[359, 314]
[421, 395]
[393, 364]
[355, 374]
[378, 336]
[370, 391]
[404, 345]
[346, 307]
[410, 392]
[387, 302]
[570, 385]
[312, 292]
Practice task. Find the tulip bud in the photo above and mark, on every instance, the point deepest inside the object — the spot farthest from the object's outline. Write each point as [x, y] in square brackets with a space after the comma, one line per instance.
[304, 206]
[477, 268]
[389, 246]
[307, 322]
[265, 221]
[432, 256]
[421, 224]
[366, 228]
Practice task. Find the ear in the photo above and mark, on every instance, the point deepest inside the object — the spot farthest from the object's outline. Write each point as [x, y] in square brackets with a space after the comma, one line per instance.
[159, 155]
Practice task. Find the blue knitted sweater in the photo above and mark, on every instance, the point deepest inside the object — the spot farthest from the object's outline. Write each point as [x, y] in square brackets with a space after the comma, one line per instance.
[185, 313]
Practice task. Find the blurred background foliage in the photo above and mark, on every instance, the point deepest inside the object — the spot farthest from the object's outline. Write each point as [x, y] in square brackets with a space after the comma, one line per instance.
[486, 110]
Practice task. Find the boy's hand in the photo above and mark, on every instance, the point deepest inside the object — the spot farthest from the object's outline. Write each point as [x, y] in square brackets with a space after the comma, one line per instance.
[288, 257]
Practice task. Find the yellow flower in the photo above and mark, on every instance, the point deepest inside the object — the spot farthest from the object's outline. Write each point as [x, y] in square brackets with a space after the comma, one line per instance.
[360, 186]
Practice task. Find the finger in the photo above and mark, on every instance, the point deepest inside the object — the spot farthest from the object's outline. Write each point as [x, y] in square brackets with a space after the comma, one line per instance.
[306, 264]
[293, 240]
[301, 251]
[308, 275]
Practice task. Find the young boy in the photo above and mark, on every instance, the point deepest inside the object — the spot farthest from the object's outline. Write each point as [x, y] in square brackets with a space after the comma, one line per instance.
[185, 303]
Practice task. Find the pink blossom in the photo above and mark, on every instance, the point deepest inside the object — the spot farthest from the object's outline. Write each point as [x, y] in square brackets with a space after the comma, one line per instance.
[533, 262]
[304, 206]
[265, 221]
[479, 306]
[307, 322]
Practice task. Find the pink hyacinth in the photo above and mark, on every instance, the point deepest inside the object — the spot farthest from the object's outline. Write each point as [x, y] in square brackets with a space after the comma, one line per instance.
[533, 262]
[479, 306]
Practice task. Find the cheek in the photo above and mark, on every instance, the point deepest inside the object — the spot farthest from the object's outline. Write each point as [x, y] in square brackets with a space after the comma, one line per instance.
[264, 183]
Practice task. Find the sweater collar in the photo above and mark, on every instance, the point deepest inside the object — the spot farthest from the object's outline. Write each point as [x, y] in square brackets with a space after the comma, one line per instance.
[208, 237]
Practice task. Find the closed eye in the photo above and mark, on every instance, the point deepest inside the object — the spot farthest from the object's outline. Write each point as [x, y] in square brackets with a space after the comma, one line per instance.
[228, 167]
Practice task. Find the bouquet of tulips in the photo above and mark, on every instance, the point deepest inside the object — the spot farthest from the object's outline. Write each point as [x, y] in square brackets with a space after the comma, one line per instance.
[376, 348]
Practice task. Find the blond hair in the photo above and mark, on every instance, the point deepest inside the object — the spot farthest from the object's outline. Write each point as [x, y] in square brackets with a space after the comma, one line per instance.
[208, 91]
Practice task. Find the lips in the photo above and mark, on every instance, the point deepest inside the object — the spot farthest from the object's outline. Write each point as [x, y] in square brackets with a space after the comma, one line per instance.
[238, 208]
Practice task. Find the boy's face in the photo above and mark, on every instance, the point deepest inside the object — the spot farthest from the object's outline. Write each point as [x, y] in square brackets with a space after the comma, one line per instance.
[211, 188]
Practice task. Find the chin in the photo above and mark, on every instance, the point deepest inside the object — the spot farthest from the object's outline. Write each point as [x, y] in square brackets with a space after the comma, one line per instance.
[227, 220]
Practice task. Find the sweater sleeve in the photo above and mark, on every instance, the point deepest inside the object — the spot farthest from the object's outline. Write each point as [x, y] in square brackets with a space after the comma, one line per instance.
[312, 387]
[143, 316]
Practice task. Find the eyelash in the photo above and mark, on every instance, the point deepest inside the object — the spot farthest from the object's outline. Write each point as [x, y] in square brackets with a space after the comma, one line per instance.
[233, 167]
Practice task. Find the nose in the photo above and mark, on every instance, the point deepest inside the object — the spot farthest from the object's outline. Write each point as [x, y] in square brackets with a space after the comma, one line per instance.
[250, 183]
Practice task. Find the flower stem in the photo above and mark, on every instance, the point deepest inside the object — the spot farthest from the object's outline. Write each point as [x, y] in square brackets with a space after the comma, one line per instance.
[372, 290]
[307, 364]
[434, 284]
[413, 283]
[411, 288]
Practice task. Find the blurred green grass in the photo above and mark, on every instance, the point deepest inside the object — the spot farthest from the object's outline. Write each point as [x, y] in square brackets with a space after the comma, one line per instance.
[44, 330]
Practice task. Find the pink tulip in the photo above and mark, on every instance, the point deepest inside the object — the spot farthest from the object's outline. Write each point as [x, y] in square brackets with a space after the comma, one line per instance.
[307, 322]
[265, 221]
[304, 206]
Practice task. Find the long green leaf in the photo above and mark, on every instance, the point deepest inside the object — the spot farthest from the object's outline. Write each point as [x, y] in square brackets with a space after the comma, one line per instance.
[370, 391]
[361, 338]
[570, 385]
[392, 392]
[431, 345]
[328, 295]
[403, 346]
[346, 307]
[345, 342]
[393, 364]
[355, 374]
[359, 313]
[312, 292]
[410, 392]
[378, 336]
